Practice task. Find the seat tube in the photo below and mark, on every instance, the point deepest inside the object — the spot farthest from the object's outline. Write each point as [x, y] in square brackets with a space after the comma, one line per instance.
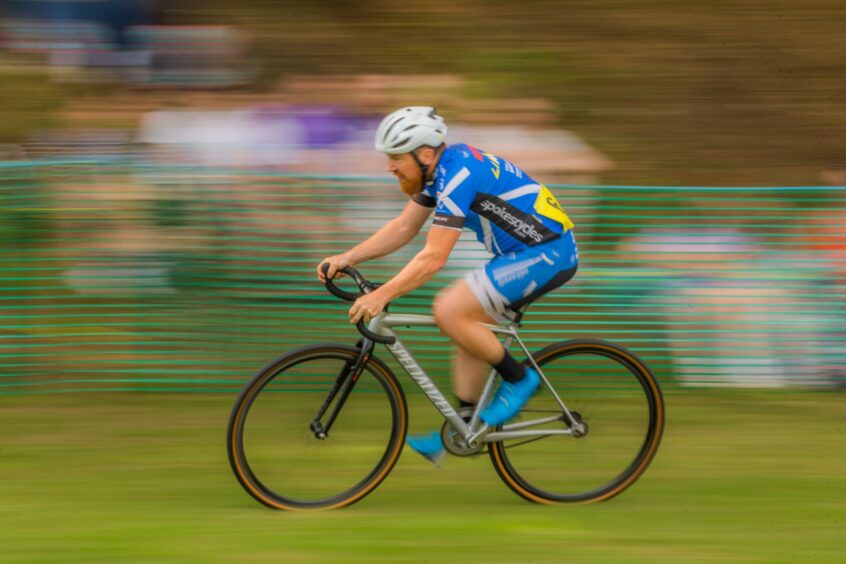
[488, 389]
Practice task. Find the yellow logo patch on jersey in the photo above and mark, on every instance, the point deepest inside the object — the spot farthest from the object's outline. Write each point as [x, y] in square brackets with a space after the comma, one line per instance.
[548, 206]
[494, 163]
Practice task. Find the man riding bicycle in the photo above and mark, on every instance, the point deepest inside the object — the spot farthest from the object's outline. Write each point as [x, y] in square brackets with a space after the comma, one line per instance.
[518, 220]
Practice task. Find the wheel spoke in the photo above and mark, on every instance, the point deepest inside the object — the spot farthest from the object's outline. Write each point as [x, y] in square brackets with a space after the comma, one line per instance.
[527, 441]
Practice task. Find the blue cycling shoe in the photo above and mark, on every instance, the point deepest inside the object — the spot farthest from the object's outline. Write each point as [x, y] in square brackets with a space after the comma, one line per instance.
[510, 399]
[429, 446]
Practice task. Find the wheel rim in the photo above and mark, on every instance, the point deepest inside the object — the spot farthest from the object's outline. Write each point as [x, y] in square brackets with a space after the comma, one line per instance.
[280, 460]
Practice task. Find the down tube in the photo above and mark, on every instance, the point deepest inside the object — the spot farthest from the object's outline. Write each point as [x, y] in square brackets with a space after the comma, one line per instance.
[425, 382]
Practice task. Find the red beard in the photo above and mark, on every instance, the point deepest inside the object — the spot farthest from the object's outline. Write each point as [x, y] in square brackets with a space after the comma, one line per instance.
[410, 187]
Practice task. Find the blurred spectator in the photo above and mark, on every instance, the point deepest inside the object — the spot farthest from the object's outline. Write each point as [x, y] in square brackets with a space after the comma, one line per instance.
[553, 154]
[82, 33]
[125, 40]
[744, 307]
[222, 138]
[195, 56]
[56, 24]
[329, 139]
[835, 176]
[94, 143]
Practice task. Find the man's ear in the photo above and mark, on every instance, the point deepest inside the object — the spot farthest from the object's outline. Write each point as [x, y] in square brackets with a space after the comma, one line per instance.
[427, 155]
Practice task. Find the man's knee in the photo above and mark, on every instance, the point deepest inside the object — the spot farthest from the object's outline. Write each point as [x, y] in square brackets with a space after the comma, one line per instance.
[457, 304]
[440, 308]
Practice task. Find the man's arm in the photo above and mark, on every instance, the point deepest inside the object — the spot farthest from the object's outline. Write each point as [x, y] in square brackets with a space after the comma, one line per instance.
[433, 257]
[393, 235]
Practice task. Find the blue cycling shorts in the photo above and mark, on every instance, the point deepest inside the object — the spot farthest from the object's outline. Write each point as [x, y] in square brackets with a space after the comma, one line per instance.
[511, 281]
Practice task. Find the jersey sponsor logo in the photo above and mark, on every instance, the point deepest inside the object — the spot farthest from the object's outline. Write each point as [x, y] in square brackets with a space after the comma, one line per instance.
[547, 206]
[515, 271]
[512, 169]
[516, 223]
[494, 163]
[451, 221]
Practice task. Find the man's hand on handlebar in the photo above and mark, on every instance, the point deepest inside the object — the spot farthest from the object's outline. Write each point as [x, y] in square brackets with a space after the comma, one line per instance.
[336, 263]
[368, 306]
[362, 308]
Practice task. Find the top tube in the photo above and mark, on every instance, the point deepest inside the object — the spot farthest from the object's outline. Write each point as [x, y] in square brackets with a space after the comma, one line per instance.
[415, 320]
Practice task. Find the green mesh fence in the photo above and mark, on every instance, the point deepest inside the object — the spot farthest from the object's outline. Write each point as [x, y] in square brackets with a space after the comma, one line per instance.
[125, 276]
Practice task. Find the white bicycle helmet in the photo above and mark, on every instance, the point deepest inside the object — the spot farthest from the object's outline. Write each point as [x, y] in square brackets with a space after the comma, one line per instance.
[410, 128]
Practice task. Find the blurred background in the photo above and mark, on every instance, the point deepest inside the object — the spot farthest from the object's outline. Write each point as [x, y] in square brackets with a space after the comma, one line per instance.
[172, 172]
[719, 93]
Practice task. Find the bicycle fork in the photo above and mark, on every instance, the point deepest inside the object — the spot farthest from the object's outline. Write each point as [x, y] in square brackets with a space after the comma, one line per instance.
[345, 382]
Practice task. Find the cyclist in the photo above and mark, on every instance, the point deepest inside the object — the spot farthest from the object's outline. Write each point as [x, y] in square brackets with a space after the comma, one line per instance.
[517, 219]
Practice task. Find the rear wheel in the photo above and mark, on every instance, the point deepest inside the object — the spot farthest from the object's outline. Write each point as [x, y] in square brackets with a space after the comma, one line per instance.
[282, 462]
[619, 404]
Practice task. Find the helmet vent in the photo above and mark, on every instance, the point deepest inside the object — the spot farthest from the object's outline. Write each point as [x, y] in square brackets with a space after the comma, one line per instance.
[400, 143]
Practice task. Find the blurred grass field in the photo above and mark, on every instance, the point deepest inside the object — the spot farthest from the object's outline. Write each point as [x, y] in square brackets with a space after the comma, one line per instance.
[741, 476]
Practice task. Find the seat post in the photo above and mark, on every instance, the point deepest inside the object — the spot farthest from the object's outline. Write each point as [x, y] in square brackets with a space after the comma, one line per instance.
[518, 318]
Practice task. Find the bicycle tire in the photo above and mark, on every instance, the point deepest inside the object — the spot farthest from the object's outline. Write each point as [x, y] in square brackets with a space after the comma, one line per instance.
[523, 472]
[281, 376]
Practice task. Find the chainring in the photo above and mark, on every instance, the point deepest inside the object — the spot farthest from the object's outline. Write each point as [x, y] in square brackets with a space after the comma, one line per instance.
[454, 443]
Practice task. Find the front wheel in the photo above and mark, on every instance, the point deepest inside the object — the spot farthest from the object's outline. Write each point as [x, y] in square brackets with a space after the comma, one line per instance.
[279, 458]
[615, 397]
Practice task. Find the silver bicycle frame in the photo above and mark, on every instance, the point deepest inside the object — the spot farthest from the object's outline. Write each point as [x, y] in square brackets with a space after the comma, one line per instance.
[476, 431]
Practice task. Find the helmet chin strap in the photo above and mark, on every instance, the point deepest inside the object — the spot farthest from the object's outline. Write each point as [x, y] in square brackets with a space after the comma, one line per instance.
[423, 168]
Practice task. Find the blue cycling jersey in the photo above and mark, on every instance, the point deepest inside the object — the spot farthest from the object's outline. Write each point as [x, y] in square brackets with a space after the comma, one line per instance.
[505, 207]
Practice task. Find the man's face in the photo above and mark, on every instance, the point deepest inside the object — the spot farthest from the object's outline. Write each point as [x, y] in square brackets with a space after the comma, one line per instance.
[407, 172]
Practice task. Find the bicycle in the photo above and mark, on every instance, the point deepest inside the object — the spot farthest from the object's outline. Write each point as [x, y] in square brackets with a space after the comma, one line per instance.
[300, 411]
